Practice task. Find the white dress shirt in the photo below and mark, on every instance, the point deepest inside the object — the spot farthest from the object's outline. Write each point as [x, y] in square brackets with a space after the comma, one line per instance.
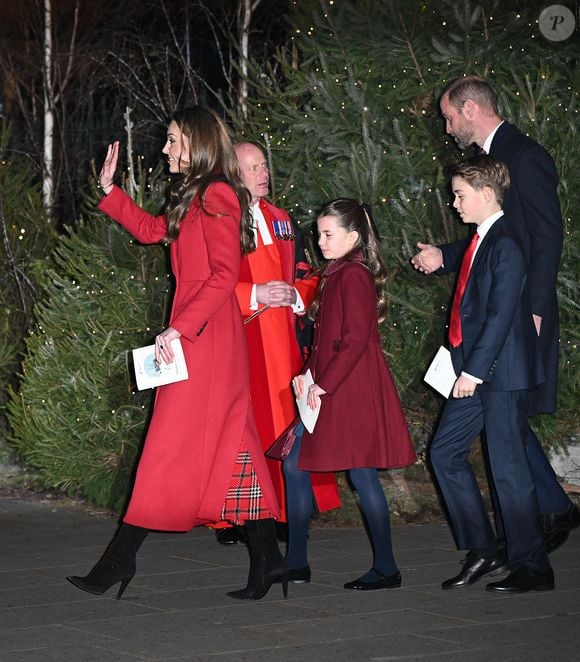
[487, 143]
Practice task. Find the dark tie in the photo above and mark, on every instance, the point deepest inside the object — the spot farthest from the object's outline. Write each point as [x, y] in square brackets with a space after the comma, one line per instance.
[455, 321]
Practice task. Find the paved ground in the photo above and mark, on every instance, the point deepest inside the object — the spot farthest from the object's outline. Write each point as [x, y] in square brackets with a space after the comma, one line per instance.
[176, 608]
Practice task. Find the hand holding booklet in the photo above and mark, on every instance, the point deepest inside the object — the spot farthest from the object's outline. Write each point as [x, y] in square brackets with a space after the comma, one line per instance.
[149, 373]
[440, 374]
[307, 415]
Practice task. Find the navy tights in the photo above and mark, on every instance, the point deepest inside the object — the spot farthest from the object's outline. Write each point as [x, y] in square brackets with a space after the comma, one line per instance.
[299, 507]
[373, 503]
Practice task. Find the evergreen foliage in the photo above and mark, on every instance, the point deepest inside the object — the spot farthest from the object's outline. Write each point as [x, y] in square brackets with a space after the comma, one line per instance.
[358, 116]
[77, 418]
[27, 238]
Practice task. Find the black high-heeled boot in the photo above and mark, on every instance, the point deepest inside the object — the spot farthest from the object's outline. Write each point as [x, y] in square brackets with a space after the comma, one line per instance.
[267, 565]
[116, 565]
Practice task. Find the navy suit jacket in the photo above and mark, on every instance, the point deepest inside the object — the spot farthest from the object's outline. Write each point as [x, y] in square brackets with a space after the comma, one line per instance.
[532, 209]
[500, 343]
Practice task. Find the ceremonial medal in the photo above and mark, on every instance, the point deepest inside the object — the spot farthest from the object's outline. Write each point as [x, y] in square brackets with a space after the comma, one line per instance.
[283, 230]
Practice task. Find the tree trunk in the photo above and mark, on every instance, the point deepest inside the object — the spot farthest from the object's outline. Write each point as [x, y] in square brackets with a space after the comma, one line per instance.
[48, 165]
[247, 8]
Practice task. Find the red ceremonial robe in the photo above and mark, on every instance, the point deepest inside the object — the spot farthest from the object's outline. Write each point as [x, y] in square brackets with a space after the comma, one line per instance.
[275, 356]
[198, 425]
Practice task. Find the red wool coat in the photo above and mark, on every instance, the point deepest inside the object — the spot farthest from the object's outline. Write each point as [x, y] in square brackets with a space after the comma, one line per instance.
[361, 421]
[198, 425]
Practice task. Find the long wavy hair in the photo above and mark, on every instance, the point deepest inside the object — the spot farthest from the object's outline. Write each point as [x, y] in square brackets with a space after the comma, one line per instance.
[354, 216]
[211, 159]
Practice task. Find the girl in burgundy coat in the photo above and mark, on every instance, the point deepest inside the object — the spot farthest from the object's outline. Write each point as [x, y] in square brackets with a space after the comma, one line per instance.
[202, 459]
[361, 426]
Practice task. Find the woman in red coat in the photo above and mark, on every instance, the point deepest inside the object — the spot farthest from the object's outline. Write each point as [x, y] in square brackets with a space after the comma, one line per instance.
[361, 426]
[202, 459]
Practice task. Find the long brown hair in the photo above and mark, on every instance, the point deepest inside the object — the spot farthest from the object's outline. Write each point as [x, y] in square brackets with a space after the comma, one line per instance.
[211, 158]
[354, 216]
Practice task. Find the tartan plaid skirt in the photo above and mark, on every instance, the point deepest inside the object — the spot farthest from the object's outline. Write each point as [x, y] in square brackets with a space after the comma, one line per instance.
[244, 499]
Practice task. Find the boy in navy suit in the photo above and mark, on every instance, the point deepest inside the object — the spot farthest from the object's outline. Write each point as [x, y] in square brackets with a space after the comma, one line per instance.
[494, 349]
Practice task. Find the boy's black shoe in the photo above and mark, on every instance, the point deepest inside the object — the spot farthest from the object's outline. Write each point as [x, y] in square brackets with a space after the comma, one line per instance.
[475, 568]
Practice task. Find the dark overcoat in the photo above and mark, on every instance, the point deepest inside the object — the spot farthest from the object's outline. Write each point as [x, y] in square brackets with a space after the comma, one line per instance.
[361, 421]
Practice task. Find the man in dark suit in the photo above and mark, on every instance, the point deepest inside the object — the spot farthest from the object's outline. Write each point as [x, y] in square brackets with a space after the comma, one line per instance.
[532, 208]
[495, 352]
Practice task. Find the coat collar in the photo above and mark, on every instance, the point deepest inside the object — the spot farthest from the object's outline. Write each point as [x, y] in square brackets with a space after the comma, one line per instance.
[337, 265]
[503, 133]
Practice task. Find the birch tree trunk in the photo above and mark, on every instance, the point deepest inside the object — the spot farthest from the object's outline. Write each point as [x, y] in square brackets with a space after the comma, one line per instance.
[247, 8]
[48, 147]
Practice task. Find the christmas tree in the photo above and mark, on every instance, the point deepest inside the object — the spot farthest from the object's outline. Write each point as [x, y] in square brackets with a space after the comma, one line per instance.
[27, 238]
[77, 418]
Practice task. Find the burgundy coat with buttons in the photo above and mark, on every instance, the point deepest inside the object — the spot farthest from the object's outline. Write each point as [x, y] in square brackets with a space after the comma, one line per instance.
[361, 421]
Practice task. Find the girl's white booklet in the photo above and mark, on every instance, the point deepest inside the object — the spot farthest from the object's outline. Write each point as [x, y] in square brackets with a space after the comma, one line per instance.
[307, 415]
[149, 373]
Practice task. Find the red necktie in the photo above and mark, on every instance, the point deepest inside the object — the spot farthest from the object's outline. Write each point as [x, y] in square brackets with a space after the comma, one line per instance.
[455, 321]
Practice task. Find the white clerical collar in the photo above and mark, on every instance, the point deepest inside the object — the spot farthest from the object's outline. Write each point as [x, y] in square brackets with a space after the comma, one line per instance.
[260, 225]
[487, 143]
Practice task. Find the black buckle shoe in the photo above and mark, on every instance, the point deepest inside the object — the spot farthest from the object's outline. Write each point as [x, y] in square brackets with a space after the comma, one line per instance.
[384, 581]
[299, 575]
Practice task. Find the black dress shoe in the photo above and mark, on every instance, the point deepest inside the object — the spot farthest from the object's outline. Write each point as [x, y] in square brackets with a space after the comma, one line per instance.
[384, 581]
[230, 536]
[556, 527]
[523, 580]
[475, 567]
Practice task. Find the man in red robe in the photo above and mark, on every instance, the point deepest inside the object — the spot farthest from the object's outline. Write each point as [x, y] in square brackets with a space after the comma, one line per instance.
[272, 296]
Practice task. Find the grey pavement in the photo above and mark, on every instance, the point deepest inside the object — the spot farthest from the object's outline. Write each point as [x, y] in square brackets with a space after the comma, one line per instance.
[176, 608]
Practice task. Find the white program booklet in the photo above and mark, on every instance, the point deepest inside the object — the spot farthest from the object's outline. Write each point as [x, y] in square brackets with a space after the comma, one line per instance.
[307, 415]
[440, 374]
[149, 373]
